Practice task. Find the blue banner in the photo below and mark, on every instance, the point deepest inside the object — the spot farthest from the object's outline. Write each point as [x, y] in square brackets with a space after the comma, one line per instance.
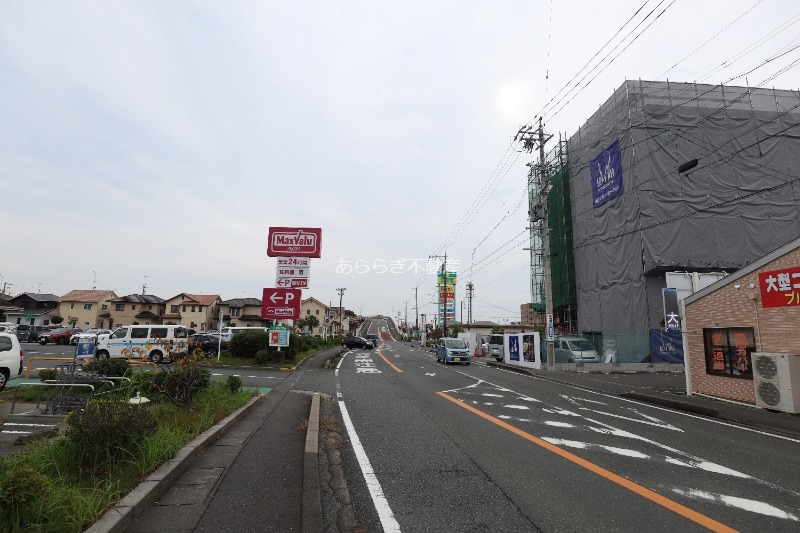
[666, 346]
[606, 170]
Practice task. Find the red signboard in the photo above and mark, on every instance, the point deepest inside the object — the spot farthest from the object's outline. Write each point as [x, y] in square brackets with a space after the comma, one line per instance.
[780, 288]
[294, 242]
[279, 303]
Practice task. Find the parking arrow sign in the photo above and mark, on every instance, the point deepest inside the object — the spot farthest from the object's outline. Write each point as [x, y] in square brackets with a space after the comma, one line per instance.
[278, 302]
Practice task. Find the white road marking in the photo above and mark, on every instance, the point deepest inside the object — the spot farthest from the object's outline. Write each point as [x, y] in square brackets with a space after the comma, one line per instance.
[378, 499]
[732, 501]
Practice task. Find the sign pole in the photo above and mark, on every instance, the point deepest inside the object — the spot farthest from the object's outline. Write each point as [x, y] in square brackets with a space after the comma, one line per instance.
[219, 335]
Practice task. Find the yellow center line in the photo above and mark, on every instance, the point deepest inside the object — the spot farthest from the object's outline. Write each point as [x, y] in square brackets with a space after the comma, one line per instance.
[673, 506]
[386, 360]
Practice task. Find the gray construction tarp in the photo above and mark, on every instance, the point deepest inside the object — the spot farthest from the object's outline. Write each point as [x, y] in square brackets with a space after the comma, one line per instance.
[740, 202]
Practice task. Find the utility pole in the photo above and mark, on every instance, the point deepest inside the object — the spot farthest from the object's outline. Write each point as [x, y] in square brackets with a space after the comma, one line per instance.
[416, 308]
[530, 139]
[341, 293]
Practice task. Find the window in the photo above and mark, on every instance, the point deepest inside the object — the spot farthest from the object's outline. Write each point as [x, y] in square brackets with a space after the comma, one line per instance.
[317, 311]
[5, 344]
[160, 333]
[139, 333]
[88, 307]
[236, 312]
[149, 307]
[200, 308]
[133, 307]
[104, 307]
[192, 309]
[120, 333]
[119, 307]
[72, 305]
[174, 308]
[184, 308]
[308, 312]
[85, 324]
[729, 351]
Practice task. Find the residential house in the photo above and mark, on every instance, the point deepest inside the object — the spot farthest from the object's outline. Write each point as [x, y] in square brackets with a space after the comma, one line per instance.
[32, 308]
[195, 311]
[313, 307]
[82, 308]
[132, 309]
[243, 312]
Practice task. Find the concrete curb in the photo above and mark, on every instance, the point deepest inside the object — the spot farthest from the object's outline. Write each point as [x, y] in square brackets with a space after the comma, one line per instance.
[312, 493]
[121, 516]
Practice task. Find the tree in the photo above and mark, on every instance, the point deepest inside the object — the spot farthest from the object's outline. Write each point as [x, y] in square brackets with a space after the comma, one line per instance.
[311, 322]
[56, 319]
[498, 329]
[456, 328]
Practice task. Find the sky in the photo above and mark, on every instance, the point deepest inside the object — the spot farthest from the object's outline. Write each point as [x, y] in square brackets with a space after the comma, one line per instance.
[153, 144]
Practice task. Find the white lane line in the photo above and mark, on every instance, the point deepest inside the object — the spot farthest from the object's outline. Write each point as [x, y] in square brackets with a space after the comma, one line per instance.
[381, 504]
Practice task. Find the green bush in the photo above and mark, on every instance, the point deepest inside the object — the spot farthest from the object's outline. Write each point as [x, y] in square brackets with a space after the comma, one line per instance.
[20, 486]
[234, 384]
[180, 385]
[107, 430]
[248, 343]
[262, 357]
[47, 373]
[109, 367]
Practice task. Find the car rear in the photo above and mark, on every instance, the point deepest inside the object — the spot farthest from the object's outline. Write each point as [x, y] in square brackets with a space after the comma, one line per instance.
[496, 347]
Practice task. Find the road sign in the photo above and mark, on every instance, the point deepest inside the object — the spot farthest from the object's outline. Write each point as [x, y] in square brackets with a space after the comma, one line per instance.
[550, 333]
[279, 336]
[294, 242]
[85, 347]
[292, 272]
[28, 317]
[279, 303]
[291, 283]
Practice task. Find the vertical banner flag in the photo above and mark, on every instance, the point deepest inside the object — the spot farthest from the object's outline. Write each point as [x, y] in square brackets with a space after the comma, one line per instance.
[606, 170]
[672, 318]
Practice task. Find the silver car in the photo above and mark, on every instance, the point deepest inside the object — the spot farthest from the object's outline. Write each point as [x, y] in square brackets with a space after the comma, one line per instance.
[576, 348]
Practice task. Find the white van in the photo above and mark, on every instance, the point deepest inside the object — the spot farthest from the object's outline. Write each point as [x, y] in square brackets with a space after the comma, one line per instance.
[10, 358]
[155, 342]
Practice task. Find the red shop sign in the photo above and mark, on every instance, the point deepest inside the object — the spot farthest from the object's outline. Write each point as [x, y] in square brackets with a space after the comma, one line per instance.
[780, 288]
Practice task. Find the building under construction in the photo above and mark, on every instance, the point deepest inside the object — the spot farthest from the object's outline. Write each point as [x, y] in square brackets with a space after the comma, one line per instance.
[664, 177]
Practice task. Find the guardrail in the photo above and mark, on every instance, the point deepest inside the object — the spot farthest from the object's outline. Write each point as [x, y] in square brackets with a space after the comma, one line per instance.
[32, 359]
[42, 386]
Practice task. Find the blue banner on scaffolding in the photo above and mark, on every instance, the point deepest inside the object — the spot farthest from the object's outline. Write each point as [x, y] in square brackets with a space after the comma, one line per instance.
[606, 170]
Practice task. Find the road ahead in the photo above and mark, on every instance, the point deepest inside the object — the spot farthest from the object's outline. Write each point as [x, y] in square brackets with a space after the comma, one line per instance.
[431, 447]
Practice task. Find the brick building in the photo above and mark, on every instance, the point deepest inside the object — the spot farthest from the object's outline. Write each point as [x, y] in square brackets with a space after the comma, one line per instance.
[756, 309]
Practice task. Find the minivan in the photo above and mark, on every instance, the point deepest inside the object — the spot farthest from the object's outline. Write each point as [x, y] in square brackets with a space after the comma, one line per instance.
[10, 358]
[155, 342]
[496, 347]
[579, 349]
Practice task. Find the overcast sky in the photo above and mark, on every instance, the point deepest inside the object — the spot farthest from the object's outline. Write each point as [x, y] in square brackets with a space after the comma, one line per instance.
[156, 142]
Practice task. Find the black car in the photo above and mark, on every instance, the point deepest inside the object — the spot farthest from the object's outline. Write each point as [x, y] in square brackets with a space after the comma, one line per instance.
[209, 344]
[28, 333]
[356, 342]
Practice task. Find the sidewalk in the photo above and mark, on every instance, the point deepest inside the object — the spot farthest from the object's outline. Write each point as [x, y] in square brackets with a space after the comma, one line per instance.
[668, 389]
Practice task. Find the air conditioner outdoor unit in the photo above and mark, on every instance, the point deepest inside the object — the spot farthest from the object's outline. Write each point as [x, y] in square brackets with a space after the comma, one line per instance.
[776, 378]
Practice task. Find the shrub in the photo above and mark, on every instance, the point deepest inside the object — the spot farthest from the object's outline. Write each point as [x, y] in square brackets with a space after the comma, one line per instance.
[180, 385]
[262, 357]
[248, 343]
[109, 367]
[234, 384]
[106, 430]
[47, 373]
[21, 486]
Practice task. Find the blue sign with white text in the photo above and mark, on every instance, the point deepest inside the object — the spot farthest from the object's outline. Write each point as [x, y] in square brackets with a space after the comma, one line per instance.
[606, 170]
[513, 348]
[666, 346]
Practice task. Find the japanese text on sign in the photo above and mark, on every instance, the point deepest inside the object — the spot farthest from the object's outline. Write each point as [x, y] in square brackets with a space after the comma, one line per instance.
[780, 288]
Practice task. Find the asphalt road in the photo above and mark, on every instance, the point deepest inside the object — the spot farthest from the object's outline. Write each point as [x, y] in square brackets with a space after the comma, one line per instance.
[431, 447]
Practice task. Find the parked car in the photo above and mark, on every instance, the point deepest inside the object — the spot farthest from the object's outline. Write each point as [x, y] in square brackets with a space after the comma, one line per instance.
[28, 333]
[8, 327]
[209, 344]
[576, 348]
[356, 342]
[91, 333]
[452, 350]
[10, 358]
[495, 347]
[58, 336]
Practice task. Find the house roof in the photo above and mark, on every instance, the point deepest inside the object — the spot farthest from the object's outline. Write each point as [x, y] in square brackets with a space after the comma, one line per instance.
[38, 297]
[138, 299]
[241, 302]
[311, 299]
[742, 272]
[87, 296]
[203, 299]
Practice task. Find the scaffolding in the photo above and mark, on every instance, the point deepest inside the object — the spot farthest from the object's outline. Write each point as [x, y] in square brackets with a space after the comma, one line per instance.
[555, 178]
